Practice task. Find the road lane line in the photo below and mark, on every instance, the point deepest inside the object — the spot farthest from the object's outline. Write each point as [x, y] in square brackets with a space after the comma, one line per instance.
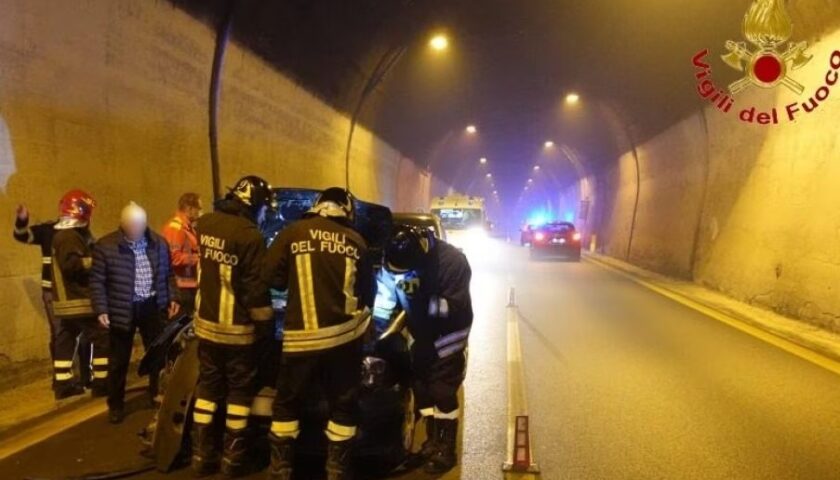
[519, 463]
[768, 337]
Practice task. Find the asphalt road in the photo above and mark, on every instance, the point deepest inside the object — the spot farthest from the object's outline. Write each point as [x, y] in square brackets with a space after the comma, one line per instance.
[622, 384]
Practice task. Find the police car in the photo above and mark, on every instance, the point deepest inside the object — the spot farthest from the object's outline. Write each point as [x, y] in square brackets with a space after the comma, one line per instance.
[387, 420]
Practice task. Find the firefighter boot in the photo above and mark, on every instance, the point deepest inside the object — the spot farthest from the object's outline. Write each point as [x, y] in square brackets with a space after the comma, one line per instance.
[234, 457]
[429, 446]
[445, 457]
[205, 457]
[282, 456]
[339, 460]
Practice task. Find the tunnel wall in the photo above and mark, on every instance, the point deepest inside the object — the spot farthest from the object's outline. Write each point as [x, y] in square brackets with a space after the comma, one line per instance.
[749, 210]
[115, 102]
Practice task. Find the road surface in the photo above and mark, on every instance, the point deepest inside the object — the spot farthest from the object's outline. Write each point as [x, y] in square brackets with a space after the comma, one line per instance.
[622, 383]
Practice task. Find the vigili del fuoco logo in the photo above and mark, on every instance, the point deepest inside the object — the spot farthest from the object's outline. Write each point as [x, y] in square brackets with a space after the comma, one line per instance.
[770, 61]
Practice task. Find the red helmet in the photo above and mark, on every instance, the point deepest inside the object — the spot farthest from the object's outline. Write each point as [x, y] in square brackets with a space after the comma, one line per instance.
[76, 204]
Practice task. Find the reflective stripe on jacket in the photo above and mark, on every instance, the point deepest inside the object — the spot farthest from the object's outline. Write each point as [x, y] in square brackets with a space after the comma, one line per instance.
[183, 248]
[71, 263]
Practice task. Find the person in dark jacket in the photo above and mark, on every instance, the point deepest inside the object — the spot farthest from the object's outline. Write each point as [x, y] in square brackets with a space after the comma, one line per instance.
[233, 315]
[324, 263]
[131, 287]
[430, 280]
[41, 235]
[71, 261]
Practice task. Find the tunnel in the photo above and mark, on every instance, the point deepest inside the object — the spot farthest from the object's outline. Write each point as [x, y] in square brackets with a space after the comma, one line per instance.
[642, 194]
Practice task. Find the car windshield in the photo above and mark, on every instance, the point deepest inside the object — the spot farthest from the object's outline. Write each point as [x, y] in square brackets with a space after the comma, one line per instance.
[558, 228]
[422, 222]
[460, 218]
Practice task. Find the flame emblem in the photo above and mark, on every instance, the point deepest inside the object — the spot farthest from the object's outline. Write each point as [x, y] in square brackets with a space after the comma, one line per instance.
[768, 26]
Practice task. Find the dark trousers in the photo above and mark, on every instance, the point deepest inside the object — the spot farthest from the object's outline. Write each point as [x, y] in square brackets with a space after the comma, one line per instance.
[67, 333]
[85, 350]
[226, 376]
[437, 381]
[338, 370]
[148, 319]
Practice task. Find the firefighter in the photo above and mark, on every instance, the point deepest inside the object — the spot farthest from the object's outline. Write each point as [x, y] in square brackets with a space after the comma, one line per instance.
[41, 234]
[430, 280]
[183, 247]
[72, 246]
[232, 313]
[323, 263]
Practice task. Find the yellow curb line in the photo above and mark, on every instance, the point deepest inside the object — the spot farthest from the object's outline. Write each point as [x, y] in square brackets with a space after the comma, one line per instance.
[775, 340]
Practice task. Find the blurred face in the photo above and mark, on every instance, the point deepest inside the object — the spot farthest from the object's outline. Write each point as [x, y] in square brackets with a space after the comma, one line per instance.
[134, 228]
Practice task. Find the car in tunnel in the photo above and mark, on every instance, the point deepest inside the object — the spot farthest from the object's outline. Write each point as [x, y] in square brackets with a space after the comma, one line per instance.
[559, 240]
[386, 407]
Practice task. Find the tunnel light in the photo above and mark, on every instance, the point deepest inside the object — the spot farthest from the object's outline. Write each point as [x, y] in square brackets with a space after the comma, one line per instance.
[471, 129]
[536, 168]
[482, 160]
[548, 144]
[530, 180]
[572, 98]
[489, 175]
[439, 42]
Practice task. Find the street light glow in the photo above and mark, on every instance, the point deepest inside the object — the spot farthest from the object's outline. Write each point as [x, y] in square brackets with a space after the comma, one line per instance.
[482, 160]
[530, 180]
[536, 168]
[439, 42]
[548, 144]
[471, 129]
[489, 175]
[572, 98]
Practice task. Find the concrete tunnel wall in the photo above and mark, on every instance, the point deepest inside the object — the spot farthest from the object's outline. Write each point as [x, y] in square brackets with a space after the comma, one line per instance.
[752, 211]
[115, 102]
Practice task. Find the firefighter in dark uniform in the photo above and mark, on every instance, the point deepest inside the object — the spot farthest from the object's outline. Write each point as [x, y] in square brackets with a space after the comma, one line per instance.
[232, 313]
[323, 263]
[72, 246]
[41, 235]
[430, 280]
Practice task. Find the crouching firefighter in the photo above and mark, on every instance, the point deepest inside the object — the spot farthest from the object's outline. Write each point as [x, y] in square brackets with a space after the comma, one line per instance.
[232, 313]
[430, 280]
[324, 264]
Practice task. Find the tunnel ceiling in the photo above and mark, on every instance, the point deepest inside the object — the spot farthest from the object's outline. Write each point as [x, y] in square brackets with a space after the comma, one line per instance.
[508, 68]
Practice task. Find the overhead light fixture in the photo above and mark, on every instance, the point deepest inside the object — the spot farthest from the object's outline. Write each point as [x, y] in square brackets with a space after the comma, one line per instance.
[471, 129]
[439, 42]
[482, 160]
[489, 175]
[572, 98]
[548, 144]
[536, 168]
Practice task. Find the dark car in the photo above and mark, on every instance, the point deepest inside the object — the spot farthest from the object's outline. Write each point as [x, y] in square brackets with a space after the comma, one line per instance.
[387, 416]
[556, 240]
[423, 220]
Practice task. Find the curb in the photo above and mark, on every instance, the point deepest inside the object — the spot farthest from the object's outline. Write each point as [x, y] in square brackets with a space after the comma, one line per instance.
[822, 342]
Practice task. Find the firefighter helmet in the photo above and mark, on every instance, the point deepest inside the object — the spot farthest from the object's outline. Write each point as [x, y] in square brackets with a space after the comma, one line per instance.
[76, 205]
[335, 202]
[254, 192]
[408, 248]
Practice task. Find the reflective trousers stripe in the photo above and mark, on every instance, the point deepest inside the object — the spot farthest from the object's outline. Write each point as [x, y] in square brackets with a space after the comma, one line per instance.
[339, 433]
[63, 364]
[234, 423]
[100, 361]
[63, 377]
[238, 410]
[100, 374]
[206, 405]
[303, 264]
[427, 412]
[285, 429]
[453, 415]
[202, 418]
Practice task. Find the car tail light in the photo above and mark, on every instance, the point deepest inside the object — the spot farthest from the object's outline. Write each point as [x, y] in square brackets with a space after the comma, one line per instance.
[539, 236]
[576, 237]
